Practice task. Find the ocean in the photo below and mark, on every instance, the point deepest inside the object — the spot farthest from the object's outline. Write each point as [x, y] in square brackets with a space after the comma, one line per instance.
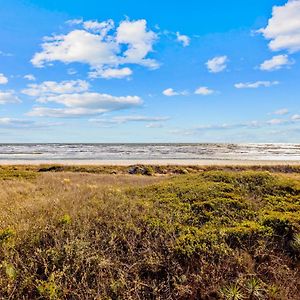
[98, 152]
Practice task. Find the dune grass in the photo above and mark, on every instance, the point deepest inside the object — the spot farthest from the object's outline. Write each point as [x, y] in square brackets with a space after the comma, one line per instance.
[181, 233]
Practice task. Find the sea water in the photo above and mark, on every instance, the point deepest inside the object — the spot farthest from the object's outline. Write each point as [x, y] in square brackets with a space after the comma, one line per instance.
[93, 152]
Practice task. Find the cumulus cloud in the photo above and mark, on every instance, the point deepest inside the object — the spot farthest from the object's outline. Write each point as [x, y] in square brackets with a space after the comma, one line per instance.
[74, 22]
[276, 62]
[183, 39]
[283, 29]
[75, 99]
[102, 46]
[295, 117]
[111, 73]
[53, 87]
[3, 79]
[82, 104]
[9, 97]
[281, 112]
[255, 85]
[217, 64]
[204, 91]
[102, 28]
[30, 77]
[139, 42]
[77, 46]
[171, 92]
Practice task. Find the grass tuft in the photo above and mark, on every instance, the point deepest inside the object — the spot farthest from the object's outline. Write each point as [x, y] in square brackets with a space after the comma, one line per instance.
[193, 233]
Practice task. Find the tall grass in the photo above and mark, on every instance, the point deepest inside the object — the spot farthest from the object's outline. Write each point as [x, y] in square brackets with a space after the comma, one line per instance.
[211, 234]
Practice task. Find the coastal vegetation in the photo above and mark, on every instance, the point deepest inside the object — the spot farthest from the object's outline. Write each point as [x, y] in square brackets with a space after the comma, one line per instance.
[149, 232]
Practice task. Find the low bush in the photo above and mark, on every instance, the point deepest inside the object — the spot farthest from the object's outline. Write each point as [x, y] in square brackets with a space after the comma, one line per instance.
[212, 234]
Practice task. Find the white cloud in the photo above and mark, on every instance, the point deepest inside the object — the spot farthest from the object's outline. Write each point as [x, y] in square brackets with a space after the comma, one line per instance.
[3, 79]
[224, 126]
[255, 85]
[81, 104]
[154, 125]
[183, 39]
[125, 119]
[53, 87]
[9, 97]
[75, 98]
[217, 64]
[30, 77]
[283, 27]
[281, 112]
[111, 73]
[276, 63]
[93, 100]
[132, 118]
[129, 43]
[139, 41]
[77, 46]
[295, 117]
[74, 22]
[71, 71]
[14, 123]
[276, 121]
[11, 123]
[204, 91]
[171, 92]
[63, 112]
[101, 28]
[247, 125]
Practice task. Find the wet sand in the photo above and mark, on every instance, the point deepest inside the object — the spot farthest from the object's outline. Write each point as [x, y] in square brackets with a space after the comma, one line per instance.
[179, 162]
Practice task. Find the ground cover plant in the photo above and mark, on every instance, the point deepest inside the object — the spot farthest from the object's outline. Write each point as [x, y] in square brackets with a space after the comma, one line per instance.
[149, 232]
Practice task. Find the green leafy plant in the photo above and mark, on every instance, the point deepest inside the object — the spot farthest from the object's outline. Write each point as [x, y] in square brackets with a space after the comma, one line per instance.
[233, 292]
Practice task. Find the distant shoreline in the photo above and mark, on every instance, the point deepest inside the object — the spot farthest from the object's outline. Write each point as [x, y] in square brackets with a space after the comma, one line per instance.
[163, 162]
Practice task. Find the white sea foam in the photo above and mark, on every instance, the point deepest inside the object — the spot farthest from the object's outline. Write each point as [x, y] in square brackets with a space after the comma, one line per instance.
[52, 152]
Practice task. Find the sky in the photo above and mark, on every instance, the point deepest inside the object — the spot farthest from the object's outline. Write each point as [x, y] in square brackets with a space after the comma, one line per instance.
[153, 71]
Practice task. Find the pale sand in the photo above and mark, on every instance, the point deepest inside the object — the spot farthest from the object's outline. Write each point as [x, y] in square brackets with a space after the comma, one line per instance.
[164, 162]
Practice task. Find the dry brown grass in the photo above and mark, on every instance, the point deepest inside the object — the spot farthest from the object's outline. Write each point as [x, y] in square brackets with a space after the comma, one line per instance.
[211, 235]
[24, 202]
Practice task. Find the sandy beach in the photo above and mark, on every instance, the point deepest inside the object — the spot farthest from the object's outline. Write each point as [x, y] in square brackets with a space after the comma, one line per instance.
[164, 162]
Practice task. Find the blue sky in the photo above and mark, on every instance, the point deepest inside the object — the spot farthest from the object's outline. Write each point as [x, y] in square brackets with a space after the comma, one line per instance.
[164, 71]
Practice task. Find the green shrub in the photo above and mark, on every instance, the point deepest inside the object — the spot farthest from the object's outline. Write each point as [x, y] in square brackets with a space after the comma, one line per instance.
[6, 234]
[65, 219]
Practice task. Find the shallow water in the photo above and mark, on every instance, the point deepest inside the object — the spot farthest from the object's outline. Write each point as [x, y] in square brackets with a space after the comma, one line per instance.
[95, 152]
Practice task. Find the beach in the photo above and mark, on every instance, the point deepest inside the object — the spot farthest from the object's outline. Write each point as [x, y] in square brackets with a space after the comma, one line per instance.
[163, 162]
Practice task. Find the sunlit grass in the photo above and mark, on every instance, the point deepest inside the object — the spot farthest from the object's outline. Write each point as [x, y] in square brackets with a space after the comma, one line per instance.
[193, 234]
